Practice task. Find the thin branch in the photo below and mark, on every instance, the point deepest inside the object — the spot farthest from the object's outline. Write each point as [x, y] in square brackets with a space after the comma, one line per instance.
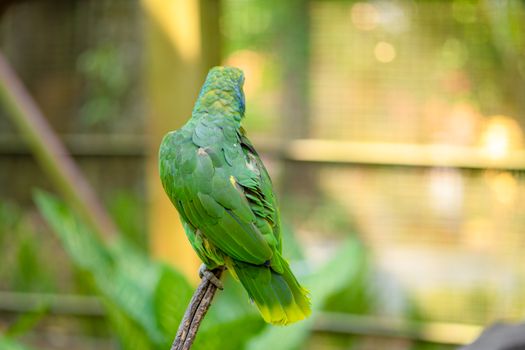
[49, 150]
[199, 305]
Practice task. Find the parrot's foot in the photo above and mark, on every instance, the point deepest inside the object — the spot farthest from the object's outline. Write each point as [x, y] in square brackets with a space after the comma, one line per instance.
[205, 273]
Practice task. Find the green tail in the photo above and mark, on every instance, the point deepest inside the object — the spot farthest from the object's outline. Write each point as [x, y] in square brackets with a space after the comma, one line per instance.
[280, 298]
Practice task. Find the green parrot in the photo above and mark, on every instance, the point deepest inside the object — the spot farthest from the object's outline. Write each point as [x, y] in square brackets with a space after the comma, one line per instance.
[223, 193]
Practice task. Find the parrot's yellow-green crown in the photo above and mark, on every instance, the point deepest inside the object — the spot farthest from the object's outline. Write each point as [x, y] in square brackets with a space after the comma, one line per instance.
[231, 75]
[222, 92]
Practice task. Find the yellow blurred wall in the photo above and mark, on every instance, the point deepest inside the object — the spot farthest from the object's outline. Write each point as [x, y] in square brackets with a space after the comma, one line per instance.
[178, 33]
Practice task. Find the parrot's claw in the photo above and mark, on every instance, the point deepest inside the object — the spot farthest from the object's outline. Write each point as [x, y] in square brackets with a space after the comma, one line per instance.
[205, 273]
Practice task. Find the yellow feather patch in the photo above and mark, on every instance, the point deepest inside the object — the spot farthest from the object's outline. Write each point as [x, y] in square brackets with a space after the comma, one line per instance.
[229, 264]
[282, 315]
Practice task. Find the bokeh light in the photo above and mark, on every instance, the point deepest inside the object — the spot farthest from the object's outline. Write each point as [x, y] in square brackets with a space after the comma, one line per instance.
[364, 16]
[501, 135]
[446, 191]
[384, 52]
[504, 186]
[252, 63]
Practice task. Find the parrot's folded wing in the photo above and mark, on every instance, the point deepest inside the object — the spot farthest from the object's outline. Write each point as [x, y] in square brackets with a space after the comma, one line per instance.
[214, 203]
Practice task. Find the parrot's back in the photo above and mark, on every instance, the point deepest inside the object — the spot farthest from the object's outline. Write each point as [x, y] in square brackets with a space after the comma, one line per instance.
[225, 198]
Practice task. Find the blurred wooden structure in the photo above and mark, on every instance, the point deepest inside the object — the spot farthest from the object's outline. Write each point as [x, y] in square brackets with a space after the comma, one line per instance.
[400, 154]
[113, 150]
[51, 153]
[46, 53]
[183, 42]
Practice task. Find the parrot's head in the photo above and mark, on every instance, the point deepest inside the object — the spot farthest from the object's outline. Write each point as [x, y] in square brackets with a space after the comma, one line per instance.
[226, 83]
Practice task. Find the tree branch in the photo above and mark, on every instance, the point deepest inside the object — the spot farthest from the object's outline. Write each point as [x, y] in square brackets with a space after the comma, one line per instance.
[199, 305]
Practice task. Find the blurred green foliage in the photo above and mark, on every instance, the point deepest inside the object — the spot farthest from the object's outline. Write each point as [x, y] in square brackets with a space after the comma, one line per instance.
[9, 344]
[145, 299]
[26, 322]
[128, 283]
[20, 246]
[103, 68]
[127, 209]
[323, 213]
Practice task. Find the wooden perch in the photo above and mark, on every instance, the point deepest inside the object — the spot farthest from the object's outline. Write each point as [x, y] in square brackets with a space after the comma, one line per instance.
[199, 305]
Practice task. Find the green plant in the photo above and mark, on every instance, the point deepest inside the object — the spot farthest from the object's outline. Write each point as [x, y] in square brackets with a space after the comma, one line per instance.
[9, 344]
[145, 299]
[21, 249]
[127, 210]
[104, 70]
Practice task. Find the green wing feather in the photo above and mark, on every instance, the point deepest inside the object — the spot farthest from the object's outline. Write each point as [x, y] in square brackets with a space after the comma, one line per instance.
[258, 188]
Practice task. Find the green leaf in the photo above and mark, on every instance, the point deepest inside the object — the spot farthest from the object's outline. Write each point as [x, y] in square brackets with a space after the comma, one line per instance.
[131, 335]
[329, 280]
[126, 209]
[171, 298]
[80, 243]
[26, 321]
[231, 303]
[292, 250]
[131, 285]
[9, 344]
[144, 299]
[355, 298]
[228, 335]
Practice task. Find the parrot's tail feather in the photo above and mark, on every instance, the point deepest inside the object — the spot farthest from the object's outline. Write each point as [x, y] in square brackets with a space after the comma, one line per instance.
[279, 297]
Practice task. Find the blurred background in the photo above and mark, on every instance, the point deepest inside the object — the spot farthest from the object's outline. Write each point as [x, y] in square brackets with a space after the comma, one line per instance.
[393, 131]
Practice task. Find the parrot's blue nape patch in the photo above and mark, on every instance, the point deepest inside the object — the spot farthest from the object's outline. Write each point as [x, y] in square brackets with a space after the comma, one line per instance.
[242, 100]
